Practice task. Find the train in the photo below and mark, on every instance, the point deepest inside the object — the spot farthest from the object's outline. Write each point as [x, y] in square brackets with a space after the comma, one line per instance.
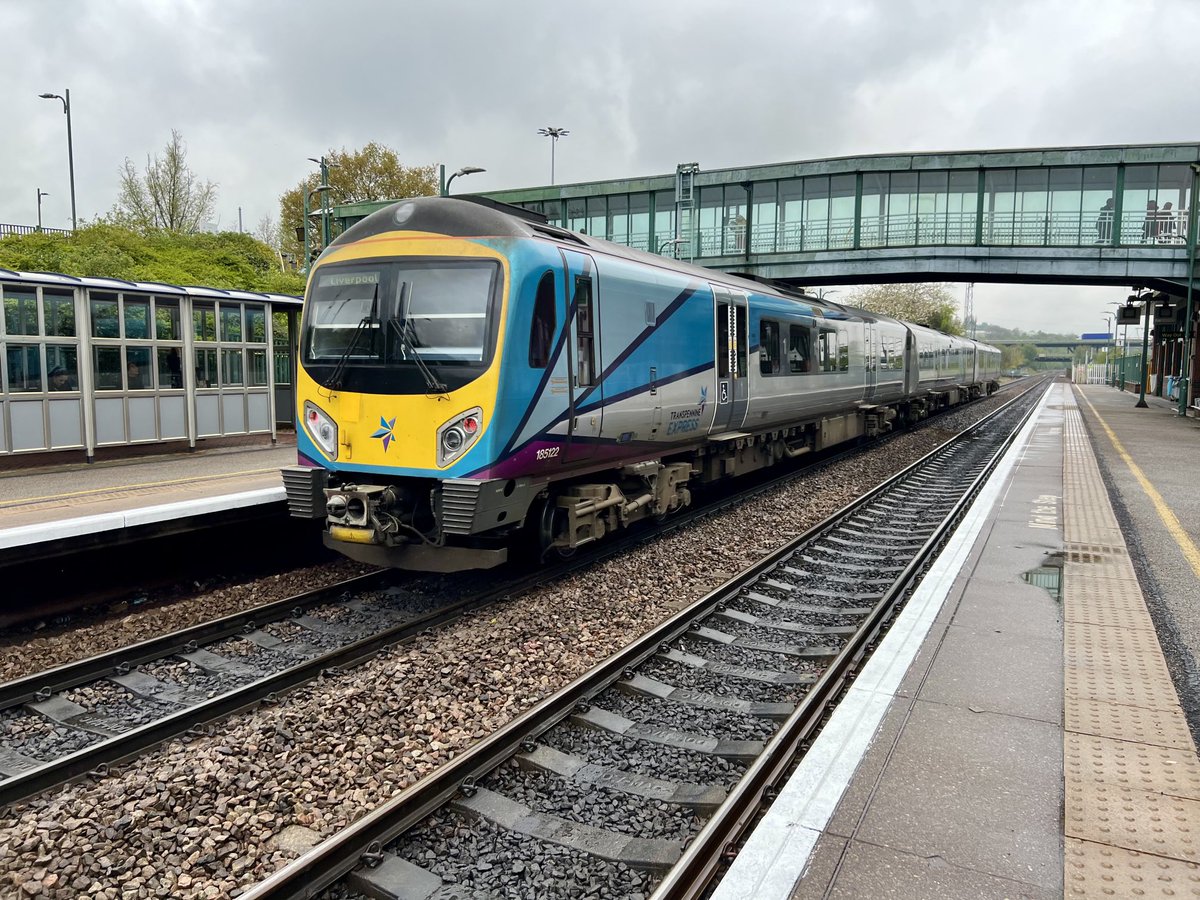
[475, 384]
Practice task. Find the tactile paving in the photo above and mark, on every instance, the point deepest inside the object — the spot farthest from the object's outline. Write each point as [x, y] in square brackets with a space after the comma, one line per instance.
[1145, 767]
[1098, 870]
[1163, 728]
[1133, 819]
[1132, 778]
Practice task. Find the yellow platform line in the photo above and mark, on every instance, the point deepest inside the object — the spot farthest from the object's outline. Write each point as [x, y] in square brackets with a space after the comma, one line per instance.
[25, 501]
[1182, 538]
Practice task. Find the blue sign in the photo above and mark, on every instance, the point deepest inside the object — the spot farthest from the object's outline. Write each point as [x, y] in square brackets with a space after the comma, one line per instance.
[1099, 336]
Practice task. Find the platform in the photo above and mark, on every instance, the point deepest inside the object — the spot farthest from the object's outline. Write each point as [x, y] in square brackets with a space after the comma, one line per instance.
[102, 502]
[1017, 733]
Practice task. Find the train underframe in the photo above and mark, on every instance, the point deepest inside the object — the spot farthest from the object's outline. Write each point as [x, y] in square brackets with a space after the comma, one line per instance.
[456, 524]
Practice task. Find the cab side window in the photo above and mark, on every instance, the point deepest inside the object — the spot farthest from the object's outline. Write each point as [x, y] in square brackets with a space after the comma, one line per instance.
[541, 332]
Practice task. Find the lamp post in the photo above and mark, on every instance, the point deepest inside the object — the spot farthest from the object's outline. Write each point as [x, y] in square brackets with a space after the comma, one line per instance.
[1142, 404]
[670, 241]
[319, 189]
[465, 170]
[40, 195]
[66, 102]
[325, 165]
[1109, 329]
[554, 134]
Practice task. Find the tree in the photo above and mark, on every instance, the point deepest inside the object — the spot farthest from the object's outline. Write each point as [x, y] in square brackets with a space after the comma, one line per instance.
[372, 173]
[228, 260]
[169, 197]
[926, 304]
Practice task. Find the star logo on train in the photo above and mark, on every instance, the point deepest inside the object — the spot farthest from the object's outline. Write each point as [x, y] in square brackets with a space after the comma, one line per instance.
[703, 399]
[386, 431]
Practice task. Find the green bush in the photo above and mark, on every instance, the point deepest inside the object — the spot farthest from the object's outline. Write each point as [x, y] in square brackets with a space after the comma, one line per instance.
[228, 260]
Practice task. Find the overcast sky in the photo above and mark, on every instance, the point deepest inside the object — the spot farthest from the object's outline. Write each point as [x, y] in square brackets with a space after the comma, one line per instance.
[257, 86]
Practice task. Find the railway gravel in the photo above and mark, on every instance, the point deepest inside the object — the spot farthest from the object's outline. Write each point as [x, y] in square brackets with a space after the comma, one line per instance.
[26, 652]
[201, 817]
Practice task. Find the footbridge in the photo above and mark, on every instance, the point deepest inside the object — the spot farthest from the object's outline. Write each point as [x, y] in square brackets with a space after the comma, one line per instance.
[1079, 215]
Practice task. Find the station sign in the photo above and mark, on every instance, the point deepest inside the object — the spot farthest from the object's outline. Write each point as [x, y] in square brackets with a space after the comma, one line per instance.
[1096, 336]
[1129, 314]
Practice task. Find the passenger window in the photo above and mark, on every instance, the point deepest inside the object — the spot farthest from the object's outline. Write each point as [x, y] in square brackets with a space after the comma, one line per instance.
[768, 353]
[541, 333]
[827, 349]
[723, 330]
[798, 352]
[843, 351]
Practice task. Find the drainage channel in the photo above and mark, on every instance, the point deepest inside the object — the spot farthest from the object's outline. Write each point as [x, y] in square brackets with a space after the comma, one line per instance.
[635, 777]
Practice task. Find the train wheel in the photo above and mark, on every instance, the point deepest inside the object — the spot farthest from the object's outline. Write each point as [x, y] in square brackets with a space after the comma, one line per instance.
[551, 523]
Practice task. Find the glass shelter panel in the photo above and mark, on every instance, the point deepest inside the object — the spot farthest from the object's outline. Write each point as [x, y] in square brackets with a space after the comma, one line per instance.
[816, 212]
[962, 198]
[664, 223]
[639, 221]
[902, 209]
[931, 207]
[137, 317]
[708, 220]
[1099, 190]
[618, 219]
[872, 224]
[999, 203]
[1174, 188]
[735, 218]
[58, 311]
[1139, 205]
[841, 211]
[791, 214]
[764, 218]
[1066, 196]
[1030, 223]
[166, 319]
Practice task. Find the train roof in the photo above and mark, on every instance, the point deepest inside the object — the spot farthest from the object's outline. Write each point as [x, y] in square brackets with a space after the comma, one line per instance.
[475, 217]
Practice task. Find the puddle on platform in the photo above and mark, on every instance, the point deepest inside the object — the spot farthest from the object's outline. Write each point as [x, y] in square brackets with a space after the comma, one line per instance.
[1048, 575]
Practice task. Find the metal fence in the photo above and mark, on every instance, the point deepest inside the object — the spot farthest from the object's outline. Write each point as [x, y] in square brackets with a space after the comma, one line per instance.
[6, 230]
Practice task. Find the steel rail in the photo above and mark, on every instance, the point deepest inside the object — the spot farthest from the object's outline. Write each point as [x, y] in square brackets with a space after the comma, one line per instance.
[96, 758]
[364, 840]
[121, 660]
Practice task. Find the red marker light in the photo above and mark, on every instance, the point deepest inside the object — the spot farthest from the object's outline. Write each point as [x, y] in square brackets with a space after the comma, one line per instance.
[470, 424]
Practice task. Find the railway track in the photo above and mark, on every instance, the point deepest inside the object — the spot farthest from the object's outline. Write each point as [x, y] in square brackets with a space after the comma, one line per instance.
[80, 719]
[636, 777]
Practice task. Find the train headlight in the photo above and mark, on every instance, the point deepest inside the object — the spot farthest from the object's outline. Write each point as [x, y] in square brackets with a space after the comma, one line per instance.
[322, 429]
[456, 436]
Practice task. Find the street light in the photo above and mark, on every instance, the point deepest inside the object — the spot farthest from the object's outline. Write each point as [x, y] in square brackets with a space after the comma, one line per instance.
[40, 195]
[325, 165]
[554, 134]
[822, 293]
[465, 170]
[675, 241]
[66, 102]
[1110, 320]
[1146, 299]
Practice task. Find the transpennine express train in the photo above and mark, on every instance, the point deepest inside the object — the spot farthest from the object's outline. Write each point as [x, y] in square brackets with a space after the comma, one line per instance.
[474, 382]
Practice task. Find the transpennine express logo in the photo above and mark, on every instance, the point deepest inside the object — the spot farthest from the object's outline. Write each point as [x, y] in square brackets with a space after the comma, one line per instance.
[386, 431]
[703, 399]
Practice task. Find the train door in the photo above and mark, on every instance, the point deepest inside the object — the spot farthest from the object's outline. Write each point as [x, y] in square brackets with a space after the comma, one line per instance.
[585, 391]
[732, 354]
[870, 359]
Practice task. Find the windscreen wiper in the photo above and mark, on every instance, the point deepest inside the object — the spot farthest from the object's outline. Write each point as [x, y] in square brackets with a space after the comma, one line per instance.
[334, 379]
[404, 334]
